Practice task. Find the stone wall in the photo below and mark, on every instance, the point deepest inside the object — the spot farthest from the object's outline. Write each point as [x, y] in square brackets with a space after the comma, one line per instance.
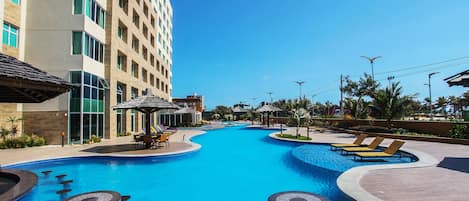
[47, 124]
[13, 110]
[440, 128]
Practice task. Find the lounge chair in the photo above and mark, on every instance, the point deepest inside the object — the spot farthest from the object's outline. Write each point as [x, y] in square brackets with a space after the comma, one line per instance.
[163, 129]
[358, 141]
[389, 152]
[373, 145]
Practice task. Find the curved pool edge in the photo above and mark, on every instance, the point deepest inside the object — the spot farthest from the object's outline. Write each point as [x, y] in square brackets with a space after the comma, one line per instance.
[349, 181]
[194, 147]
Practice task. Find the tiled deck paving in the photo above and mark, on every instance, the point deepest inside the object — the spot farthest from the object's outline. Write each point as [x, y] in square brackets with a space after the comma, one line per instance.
[413, 184]
[429, 183]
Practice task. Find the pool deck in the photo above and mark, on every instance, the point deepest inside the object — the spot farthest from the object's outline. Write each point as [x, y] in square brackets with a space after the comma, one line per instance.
[121, 147]
[443, 175]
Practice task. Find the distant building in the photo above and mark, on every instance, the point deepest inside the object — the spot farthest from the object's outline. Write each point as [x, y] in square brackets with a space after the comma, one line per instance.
[194, 101]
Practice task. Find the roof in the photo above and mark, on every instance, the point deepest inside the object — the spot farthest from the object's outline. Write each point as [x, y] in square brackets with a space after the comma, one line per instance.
[185, 110]
[268, 108]
[21, 82]
[147, 103]
[460, 79]
[240, 110]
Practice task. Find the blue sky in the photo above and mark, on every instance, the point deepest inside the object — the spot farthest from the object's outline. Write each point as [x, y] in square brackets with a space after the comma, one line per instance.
[235, 50]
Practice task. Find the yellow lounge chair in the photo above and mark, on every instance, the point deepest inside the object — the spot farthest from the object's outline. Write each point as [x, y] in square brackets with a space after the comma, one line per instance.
[389, 152]
[355, 143]
[370, 147]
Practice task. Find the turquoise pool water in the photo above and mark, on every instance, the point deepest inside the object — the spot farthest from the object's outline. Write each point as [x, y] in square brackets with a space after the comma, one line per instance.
[234, 164]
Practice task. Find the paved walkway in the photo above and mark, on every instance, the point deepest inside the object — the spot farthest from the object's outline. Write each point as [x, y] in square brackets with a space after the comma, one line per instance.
[118, 146]
[449, 180]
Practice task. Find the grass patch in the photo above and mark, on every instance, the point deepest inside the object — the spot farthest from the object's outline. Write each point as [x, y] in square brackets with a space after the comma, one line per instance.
[290, 136]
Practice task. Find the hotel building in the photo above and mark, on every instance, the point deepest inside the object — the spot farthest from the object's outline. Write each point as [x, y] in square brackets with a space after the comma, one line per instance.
[12, 15]
[112, 49]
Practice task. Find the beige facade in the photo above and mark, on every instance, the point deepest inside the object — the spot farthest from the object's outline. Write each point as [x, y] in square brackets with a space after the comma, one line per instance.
[103, 43]
[132, 35]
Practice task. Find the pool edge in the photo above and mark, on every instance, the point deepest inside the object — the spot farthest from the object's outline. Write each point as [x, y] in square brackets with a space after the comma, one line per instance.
[194, 147]
[349, 181]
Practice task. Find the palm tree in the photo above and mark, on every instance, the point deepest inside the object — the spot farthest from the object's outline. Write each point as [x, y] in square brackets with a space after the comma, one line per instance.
[357, 108]
[389, 103]
[441, 103]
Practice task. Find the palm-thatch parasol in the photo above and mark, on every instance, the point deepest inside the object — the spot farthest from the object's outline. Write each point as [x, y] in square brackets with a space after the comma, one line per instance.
[146, 104]
[21, 82]
[268, 109]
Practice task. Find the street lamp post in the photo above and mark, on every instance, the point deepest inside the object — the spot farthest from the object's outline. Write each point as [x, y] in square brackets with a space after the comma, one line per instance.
[270, 95]
[372, 61]
[300, 83]
[430, 93]
[389, 79]
[312, 103]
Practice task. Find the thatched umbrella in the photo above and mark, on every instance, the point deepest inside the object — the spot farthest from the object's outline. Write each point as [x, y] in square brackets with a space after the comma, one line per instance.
[460, 79]
[238, 111]
[146, 104]
[268, 109]
[21, 82]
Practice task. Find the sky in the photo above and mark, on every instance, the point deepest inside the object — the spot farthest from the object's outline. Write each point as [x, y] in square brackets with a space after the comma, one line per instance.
[236, 50]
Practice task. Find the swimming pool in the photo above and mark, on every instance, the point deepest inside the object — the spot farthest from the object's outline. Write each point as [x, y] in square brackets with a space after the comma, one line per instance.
[235, 163]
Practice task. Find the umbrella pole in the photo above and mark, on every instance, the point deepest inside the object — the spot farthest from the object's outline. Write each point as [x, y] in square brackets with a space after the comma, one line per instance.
[147, 127]
[268, 119]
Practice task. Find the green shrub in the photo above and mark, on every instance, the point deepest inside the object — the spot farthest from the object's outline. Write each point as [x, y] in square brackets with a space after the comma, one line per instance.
[290, 136]
[459, 131]
[95, 139]
[22, 142]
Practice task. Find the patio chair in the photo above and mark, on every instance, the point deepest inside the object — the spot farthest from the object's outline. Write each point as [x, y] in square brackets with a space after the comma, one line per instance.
[358, 141]
[373, 145]
[163, 139]
[389, 152]
[138, 140]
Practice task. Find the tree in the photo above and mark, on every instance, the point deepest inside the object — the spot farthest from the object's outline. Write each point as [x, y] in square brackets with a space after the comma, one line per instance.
[222, 110]
[357, 108]
[356, 92]
[299, 114]
[441, 103]
[13, 120]
[389, 103]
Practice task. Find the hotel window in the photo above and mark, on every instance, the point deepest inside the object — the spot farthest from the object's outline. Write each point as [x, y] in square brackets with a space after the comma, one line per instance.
[166, 74]
[152, 21]
[123, 4]
[121, 61]
[166, 88]
[17, 2]
[159, 22]
[88, 106]
[152, 40]
[92, 10]
[133, 116]
[144, 75]
[134, 70]
[162, 85]
[158, 65]
[145, 31]
[122, 31]
[120, 91]
[136, 19]
[157, 83]
[152, 60]
[10, 35]
[135, 45]
[145, 9]
[152, 79]
[82, 43]
[144, 52]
